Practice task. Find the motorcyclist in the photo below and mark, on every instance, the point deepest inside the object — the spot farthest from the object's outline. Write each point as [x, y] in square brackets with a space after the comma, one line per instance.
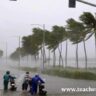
[35, 82]
[6, 78]
[26, 81]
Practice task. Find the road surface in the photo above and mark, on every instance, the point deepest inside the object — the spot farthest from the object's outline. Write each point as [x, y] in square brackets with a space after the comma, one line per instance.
[53, 84]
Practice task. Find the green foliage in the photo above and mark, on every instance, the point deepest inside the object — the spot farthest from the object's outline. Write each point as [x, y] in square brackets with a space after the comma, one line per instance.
[30, 45]
[33, 43]
[29, 69]
[18, 52]
[89, 22]
[15, 54]
[76, 31]
[55, 37]
[88, 19]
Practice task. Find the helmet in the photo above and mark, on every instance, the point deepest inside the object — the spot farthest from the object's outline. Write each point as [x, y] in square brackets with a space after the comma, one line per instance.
[7, 72]
[37, 74]
[27, 72]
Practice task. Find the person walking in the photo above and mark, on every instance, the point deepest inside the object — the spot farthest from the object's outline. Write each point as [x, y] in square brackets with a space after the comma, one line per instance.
[26, 81]
[35, 82]
[6, 78]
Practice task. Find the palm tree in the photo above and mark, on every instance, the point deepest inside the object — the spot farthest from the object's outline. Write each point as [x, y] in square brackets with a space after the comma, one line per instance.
[66, 53]
[30, 45]
[51, 44]
[38, 35]
[15, 55]
[59, 33]
[54, 41]
[47, 42]
[77, 33]
[89, 21]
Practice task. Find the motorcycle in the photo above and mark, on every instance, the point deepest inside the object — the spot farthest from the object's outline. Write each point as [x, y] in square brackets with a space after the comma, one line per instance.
[12, 84]
[42, 90]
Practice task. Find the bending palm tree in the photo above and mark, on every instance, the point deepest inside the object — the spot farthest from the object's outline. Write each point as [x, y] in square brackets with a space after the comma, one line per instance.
[89, 21]
[77, 33]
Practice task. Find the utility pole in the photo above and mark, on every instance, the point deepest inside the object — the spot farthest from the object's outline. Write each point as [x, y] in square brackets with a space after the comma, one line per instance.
[72, 3]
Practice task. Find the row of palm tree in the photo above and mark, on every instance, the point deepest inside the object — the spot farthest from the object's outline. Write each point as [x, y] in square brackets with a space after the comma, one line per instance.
[75, 31]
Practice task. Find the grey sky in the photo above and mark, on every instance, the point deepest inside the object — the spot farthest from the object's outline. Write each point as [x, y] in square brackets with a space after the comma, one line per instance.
[16, 17]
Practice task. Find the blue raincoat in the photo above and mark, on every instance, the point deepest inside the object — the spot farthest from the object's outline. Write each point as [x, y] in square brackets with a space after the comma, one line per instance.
[35, 81]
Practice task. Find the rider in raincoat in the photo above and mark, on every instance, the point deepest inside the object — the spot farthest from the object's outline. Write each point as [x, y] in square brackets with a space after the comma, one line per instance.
[6, 78]
[35, 81]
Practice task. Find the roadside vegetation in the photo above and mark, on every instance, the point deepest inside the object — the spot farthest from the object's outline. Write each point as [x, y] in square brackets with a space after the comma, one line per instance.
[69, 72]
[74, 74]
[51, 41]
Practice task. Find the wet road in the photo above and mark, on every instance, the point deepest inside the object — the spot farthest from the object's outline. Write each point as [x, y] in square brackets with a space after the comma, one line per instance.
[53, 84]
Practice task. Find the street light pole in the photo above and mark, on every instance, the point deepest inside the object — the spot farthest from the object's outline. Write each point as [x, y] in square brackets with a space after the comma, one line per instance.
[88, 3]
[72, 3]
[19, 51]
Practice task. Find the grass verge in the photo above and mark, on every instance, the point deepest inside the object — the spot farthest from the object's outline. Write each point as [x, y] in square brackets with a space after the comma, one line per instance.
[74, 74]
[68, 73]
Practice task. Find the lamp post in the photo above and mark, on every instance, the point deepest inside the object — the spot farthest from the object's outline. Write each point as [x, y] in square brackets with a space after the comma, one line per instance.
[88, 3]
[43, 43]
[19, 52]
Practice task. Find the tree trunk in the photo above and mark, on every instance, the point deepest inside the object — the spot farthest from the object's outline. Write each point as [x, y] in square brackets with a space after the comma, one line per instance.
[44, 55]
[60, 56]
[34, 57]
[66, 53]
[49, 58]
[41, 54]
[38, 56]
[27, 59]
[85, 54]
[54, 59]
[77, 55]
